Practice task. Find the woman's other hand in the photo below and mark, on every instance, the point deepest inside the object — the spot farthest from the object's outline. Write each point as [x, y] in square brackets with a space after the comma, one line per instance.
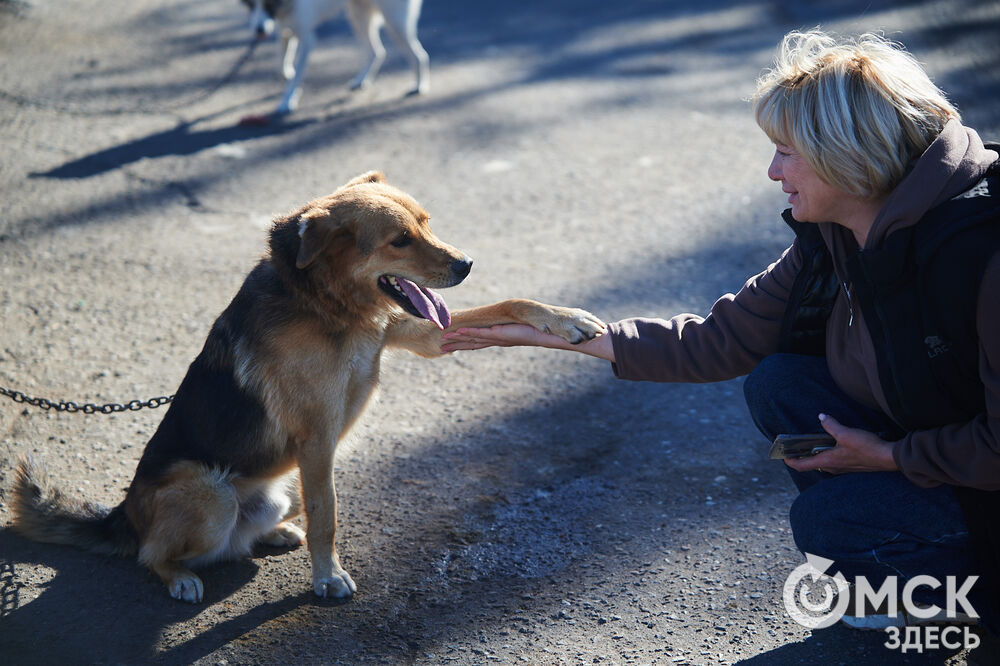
[856, 451]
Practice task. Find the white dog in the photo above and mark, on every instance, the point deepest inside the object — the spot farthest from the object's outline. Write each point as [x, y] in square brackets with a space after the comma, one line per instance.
[298, 20]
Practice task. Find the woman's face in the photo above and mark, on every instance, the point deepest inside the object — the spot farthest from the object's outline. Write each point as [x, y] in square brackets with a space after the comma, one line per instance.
[811, 199]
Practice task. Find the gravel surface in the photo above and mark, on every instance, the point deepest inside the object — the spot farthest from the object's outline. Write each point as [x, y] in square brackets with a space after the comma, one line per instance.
[504, 506]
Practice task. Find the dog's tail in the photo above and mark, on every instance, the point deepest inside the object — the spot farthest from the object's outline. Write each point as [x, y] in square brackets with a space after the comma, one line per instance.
[43, 513]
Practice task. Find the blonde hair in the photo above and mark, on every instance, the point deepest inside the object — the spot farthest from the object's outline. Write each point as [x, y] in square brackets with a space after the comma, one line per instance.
[859, 110]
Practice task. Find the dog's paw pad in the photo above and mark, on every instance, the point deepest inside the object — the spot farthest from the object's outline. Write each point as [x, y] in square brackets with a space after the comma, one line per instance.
[284, 536]
[187, 587]
[337, 586]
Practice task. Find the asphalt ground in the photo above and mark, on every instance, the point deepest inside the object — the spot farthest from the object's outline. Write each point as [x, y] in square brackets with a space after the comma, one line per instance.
[503, 506]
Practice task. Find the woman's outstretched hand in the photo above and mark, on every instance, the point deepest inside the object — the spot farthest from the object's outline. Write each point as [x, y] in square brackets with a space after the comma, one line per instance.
[505, 335]
[522, 335]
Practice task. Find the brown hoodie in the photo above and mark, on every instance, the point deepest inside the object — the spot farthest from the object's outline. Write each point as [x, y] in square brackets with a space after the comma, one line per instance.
[743, 329]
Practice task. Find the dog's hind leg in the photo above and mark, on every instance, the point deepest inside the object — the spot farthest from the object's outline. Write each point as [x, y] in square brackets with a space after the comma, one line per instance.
[366, 21]
[284, 535]
[287, 498]
[191, 516]
[401, 22]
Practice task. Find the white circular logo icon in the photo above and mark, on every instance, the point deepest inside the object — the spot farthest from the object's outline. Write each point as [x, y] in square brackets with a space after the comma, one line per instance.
[803, 586]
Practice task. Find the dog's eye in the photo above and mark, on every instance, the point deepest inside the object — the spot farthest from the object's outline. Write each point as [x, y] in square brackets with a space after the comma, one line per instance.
[402, 241]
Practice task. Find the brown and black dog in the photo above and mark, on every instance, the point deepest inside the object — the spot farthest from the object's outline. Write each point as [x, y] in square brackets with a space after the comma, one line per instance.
[286, 370]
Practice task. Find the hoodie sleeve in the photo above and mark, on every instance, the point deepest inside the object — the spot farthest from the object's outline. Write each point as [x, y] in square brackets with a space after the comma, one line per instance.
[739, 331]
[965, 454]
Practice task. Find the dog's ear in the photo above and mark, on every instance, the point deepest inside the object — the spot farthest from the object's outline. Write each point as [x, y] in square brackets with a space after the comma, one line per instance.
[316, 229]
[370, 177]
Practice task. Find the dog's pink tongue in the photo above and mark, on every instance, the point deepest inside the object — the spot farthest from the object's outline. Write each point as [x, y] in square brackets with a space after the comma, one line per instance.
[428, 303]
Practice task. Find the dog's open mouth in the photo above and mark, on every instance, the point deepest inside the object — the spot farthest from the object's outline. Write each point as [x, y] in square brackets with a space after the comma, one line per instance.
[418, 301]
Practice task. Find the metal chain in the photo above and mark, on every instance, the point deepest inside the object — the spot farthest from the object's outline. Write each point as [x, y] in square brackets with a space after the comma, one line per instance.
[10, 589]
[86, 408]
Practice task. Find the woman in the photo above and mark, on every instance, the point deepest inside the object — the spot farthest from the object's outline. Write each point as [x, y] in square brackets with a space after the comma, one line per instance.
[878, 325]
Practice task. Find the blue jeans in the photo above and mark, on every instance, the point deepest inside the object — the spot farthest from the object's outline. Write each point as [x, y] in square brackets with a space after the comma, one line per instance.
[871, 524]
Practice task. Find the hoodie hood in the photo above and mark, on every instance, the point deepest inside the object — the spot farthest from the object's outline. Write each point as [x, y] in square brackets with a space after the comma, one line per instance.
[954, 162]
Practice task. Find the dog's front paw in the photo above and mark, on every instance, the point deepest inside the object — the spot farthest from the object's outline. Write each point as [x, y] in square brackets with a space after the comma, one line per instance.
[337, 586]
[572, 324]
[187, 587]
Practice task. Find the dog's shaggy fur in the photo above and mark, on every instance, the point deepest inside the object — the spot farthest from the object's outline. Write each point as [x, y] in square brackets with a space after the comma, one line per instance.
[285, 371]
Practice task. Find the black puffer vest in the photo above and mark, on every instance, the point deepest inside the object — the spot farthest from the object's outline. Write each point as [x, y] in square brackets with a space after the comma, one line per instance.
[918, 293]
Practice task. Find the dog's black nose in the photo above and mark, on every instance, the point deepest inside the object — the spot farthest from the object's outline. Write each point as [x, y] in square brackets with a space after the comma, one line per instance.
[460, 267]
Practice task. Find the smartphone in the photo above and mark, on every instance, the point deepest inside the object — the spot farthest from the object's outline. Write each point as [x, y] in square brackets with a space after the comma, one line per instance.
[800, 446]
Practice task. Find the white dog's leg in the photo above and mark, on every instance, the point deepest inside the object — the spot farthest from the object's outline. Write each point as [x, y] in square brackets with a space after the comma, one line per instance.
[366, 21]
[289, 45]
[293, 90]
[401, 20]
